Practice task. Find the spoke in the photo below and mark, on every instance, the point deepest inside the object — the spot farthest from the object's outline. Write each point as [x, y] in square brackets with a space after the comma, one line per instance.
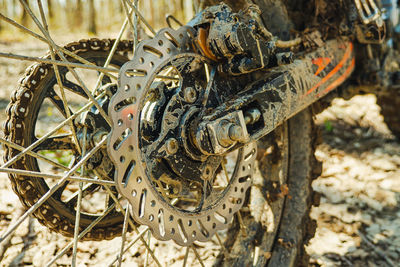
[52, 190]
[241, 223]
[210, 81]
[121, 32]
[226, 255]
[61, 55]
[135, 29]
[112, 52]
[132, 225]
[59, 142]
[40, 175]
[198, 256]
[146, 260]
[167, 77]
[82, 234]
[86, 190]
[141, 17]
[204, 195]
[23, 28]
[58, 78]
[59, 63]
[186, 257]
[225, 171]
[43, 138]
[128, 14]
[256, 255]
[133, 242]
[109, 199]
[196, 5]
[33, 154]
[77, 222]
[207, 71]
[123, 238]
[79, 204]
[37, 36]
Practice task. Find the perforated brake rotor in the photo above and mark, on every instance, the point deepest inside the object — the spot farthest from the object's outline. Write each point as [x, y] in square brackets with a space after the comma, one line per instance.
[129, 150]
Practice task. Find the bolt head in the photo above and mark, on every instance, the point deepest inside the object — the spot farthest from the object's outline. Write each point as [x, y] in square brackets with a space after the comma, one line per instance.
[172, 146]
[175, 190]
[190, 95]
[236, 133]
[207, 173]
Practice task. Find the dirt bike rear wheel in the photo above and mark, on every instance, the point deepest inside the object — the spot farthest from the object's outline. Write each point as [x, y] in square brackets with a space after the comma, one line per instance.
[273, 224]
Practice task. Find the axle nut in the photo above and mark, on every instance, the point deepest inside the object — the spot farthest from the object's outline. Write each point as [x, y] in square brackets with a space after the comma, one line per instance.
[236, 133]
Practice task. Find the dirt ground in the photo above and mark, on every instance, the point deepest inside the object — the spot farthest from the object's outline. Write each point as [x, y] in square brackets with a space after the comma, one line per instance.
[359, 215]
[358, 219]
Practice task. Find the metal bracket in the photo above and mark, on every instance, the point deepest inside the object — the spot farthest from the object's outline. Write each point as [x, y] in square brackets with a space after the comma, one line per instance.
[372, 30]
[225, 132]
[368, 10]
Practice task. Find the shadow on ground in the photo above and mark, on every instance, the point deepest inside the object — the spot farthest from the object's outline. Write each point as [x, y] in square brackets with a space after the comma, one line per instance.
[359, 215]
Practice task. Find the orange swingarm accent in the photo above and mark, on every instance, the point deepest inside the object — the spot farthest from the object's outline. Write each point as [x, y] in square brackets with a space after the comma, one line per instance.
[342, 78]
[321, 62]
[340, 65]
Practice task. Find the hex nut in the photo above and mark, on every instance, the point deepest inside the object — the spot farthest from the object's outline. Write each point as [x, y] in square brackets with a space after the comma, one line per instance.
[190, 95]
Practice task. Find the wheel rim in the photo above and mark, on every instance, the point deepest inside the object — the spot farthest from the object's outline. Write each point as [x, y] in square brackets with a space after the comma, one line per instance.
[127, 224]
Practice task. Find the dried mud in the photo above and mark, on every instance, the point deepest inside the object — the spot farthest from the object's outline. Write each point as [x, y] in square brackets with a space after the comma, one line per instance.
[358, 219]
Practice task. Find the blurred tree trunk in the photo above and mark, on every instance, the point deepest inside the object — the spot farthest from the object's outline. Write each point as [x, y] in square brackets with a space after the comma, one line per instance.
[14, 8]
[78, 14]
[24, 16]
[120, 8]
[50, 9]
[92, 18]
[116, 8]
[3, 10]
[151, 12]
[69, 11]
[182, 10]
[162, 9]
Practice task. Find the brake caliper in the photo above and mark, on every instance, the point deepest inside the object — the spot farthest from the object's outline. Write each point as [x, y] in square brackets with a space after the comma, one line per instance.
[239, 39]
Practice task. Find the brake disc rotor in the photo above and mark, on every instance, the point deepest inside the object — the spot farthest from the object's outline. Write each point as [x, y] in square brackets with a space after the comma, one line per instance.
[172, 187]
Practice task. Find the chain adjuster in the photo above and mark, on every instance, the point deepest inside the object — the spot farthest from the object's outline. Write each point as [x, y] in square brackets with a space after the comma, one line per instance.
[372, 30]
[368, 10]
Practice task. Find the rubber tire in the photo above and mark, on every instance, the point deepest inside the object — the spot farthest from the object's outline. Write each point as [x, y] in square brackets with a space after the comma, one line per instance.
[283, 246]
[296, 227]
[390, 110]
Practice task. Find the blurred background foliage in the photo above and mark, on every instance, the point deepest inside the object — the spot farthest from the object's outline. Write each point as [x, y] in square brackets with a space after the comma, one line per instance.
[92, 17]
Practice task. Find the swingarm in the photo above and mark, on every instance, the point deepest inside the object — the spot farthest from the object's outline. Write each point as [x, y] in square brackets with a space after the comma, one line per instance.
[279, 95]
